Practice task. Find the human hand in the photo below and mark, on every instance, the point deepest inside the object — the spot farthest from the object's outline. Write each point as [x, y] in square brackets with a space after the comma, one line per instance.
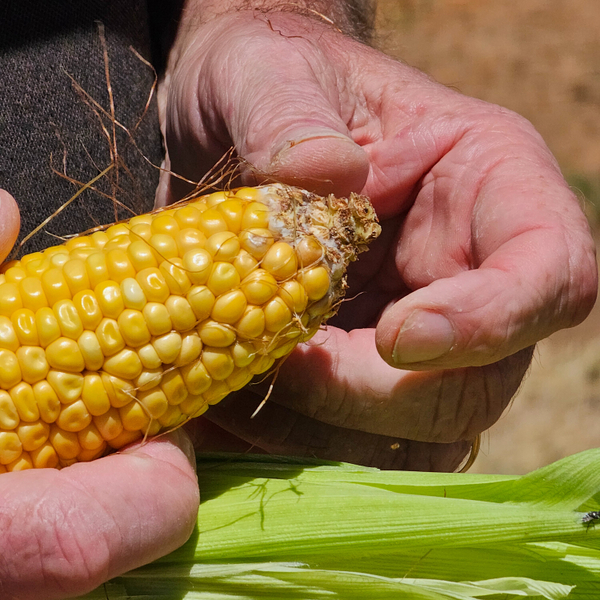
[484, 249]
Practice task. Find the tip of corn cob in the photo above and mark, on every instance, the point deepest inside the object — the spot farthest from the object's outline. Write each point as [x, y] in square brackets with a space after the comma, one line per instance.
[130, 331]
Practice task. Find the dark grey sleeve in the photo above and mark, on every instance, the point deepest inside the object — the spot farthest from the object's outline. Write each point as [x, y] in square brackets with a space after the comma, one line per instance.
[45, 123]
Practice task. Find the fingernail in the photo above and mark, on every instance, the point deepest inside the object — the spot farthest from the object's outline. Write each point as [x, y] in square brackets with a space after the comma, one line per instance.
[424, 336]
[183, 441]
[298, 136]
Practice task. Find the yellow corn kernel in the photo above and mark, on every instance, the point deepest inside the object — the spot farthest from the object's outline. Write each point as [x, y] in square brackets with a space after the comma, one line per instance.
[33, 435]
[259, 286]
[33, 257]
[47, 401]
[37, 267]
[315, 281]
[23, 321]
[191, 346]
[216, 198]
[252, 323]
[77, 242]
[116, 230]
[232, 211]
[309, 251]
[154, 402]
[88, 309]
[119, 265]
[124, 438]
[120, 391]
[164, 223]
[132, 293]
[10, 371]
[283, 349]
[164, 246]
[198, 265]
[22, 463]
[277, 315]
[153, 284]
[149, 357]
[44, 457]
[8, 337]
[157, 318]
[94, 394]
[141, 255]
[64, 354]
[248, 193]
[119, 242]
[261, 364]
[280, 260]
[256, 241]
[172, 417]
[126, 364]
[55, 286]
[24, 401]
[68, 318]
[47, 326]
[89, 438]
[175, 276]
[15, 273]
[9, 417]
[148, 379]
[75, 273]
[10, 447]
[245, 263]
[140, 232]
[201, 300]
[181, 313]
[10, 299]
[239, 379]
[256, 216]
[223, 246]
[229, 307]
[78, 253]
[96, 268]
[90, 349]
[109, 337]
[109, 424]
[211, 221]
[134, 417]
[193, 405]
[216, 392]
[218, 362]
[87, 455]
[243, 353]
[216, 334]
[68, 386]
[140, 220]
[108, 294]
[173, 386]
[223, 278]
[168, 347]
[196, 377]
[32, 293]
[133, 328]
[33, 363]
[294, 295]
[189, 239]
[65, 443]
[187, 217]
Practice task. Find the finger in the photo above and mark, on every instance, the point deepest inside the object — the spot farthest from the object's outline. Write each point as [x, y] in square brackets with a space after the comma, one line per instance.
[279, 430]
[340, 379]
[65, 532]
[286, 117]
[532, 272]
[9, 223]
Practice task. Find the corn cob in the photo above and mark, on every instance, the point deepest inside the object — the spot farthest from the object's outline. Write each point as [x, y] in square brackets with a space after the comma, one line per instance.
[133, 330]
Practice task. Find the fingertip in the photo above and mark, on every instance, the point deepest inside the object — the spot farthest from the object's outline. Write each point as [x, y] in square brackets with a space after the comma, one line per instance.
[10, 223]
[322, 160]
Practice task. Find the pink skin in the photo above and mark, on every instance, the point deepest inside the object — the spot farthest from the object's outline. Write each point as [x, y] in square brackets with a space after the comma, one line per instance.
[484, 251]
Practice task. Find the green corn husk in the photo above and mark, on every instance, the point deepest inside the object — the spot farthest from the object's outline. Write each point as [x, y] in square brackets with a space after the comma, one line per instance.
[272, 527]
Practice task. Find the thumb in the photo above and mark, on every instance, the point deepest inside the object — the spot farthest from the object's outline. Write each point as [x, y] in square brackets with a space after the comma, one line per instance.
[9, 223]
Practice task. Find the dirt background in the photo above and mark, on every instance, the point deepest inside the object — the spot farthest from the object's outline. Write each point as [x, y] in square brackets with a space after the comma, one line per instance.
[540, 58]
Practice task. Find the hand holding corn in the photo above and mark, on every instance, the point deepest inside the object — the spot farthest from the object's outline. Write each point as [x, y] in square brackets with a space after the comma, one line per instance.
[483, 252]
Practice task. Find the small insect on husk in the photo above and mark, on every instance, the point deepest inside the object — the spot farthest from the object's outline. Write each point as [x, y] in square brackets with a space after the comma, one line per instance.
[591, 518]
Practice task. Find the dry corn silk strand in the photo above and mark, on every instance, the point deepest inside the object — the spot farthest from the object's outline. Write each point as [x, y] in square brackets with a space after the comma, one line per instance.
[133, 330]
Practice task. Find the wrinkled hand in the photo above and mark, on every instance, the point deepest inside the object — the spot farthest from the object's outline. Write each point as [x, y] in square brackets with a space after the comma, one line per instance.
[484, 249]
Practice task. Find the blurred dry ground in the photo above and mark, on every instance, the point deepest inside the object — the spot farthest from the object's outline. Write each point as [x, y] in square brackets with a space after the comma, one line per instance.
[540, 58]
